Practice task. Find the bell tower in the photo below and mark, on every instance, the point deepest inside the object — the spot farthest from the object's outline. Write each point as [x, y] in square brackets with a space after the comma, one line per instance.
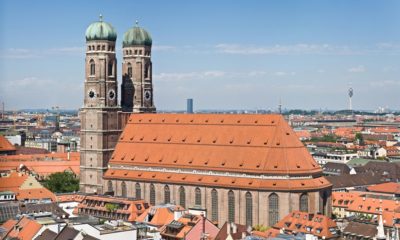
[99, 114]
[137, 77]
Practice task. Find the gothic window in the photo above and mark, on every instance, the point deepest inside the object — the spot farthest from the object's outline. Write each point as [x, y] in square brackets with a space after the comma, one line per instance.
[123, 189]
[110, 68]
[130, 70]
[90, 48]
[147, 70]
[182, 197]
[197, 200]
[273, 206]
[98, 47]
[92, 67]
[304, 202]
[214, 205]
[167, 194]
[249, 209]
[103, 48]
[138, 191]
[152, 195]
[231, 206]
[109, 186]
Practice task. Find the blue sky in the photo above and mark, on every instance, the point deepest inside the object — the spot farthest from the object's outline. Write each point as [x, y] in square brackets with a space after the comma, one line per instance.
[224, 54]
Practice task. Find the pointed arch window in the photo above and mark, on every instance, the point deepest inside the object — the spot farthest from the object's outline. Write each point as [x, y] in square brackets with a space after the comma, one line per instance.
[197, 199]
[182, 197]
[138, 191]
[214, 205]
[130, 73]
[123, 189]
[304, 202]
[249, 209]
[152, 195]
[167, 194]
[92, 67]
[273, 209]
[231, 206]
[109, 186]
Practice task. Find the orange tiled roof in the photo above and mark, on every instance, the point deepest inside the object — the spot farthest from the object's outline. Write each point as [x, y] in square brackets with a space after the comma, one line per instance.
[70, 198]
[297, 221]
[13, 183]
[21, 229]
[372, 205]
[36, 193]
[389, 187]
[42, 164]
[136, 207]
[343, 199]
[263, 144]
[160, 215]
[221, 181]
[5, 145]
[74, 156]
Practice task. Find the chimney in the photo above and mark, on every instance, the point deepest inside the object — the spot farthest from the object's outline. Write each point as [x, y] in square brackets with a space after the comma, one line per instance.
[228, 230]
[203, 219]
[234, 228]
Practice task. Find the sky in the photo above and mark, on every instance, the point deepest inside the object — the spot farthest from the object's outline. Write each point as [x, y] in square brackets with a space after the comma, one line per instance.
[223, 54]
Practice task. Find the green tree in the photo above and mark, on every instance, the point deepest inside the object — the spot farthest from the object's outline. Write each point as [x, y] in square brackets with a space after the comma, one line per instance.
[62, 182]
[111, 207]
[359, 138]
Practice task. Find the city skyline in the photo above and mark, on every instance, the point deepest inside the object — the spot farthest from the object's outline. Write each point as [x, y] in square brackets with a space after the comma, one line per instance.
[224, 55]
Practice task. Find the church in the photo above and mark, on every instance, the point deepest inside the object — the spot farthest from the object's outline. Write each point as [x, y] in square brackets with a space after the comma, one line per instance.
[248, 169]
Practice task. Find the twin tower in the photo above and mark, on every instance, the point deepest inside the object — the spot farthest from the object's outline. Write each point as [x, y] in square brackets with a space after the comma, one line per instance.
[101, 115]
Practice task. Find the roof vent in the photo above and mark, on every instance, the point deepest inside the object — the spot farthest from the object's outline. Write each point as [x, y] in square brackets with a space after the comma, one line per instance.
[274, 184]
[287, 133]
[161, 159]
[199, 140]
[298, 166]
[169, 176]
[140, 120]
[216, 180]
[176, 160]
[272, 121]
[200, 179]
[177, 120]
[133, 158]
[223, 163]
[222, 120]
[184, 177]
[233, 181]
[140, 174]
[169, 139]
[146, 159]
[155, 139]
[154, 175]
[126, 173]
[206, 162]
[238, 121]
[131, 138]
[163, 120]
[276, 166]
[184, 139]
[150, 120]
[191, 120]
[241, 164]
[191, 161]
[255, 121]
[251, 182]
[278, 143]
[206, 121]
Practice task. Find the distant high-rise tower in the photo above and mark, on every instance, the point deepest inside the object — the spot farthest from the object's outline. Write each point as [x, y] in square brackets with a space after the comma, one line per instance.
[99, 114]
[137, 77]
[351, 93]
[189, 105]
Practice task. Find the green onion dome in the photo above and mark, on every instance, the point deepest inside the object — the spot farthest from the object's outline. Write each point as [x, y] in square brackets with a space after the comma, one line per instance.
[137, 36]
[100, 31]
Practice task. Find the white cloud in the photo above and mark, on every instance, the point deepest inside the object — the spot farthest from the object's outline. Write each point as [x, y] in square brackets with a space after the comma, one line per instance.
[357, 69]
[283, 74]
[163, 48]
[300, 48]
[28, 82]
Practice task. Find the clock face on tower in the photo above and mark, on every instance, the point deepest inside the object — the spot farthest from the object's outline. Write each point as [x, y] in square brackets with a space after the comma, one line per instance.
[111, 94]
[147, 95]
[92, 93]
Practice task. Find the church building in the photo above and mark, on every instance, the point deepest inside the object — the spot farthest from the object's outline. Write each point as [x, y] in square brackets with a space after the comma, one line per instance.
[248, 169]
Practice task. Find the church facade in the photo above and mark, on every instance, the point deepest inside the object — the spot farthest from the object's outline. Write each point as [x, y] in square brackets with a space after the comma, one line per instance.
[249, 169]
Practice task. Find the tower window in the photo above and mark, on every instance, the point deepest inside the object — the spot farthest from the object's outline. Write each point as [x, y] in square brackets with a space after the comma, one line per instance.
[90, 48]
[110, 69]
[135, 51]
[140, 52]
[130, 70]
[98, 47]
[109, 186]
[130, 52]
[92, 67]
[103, 48]
[147, 70]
